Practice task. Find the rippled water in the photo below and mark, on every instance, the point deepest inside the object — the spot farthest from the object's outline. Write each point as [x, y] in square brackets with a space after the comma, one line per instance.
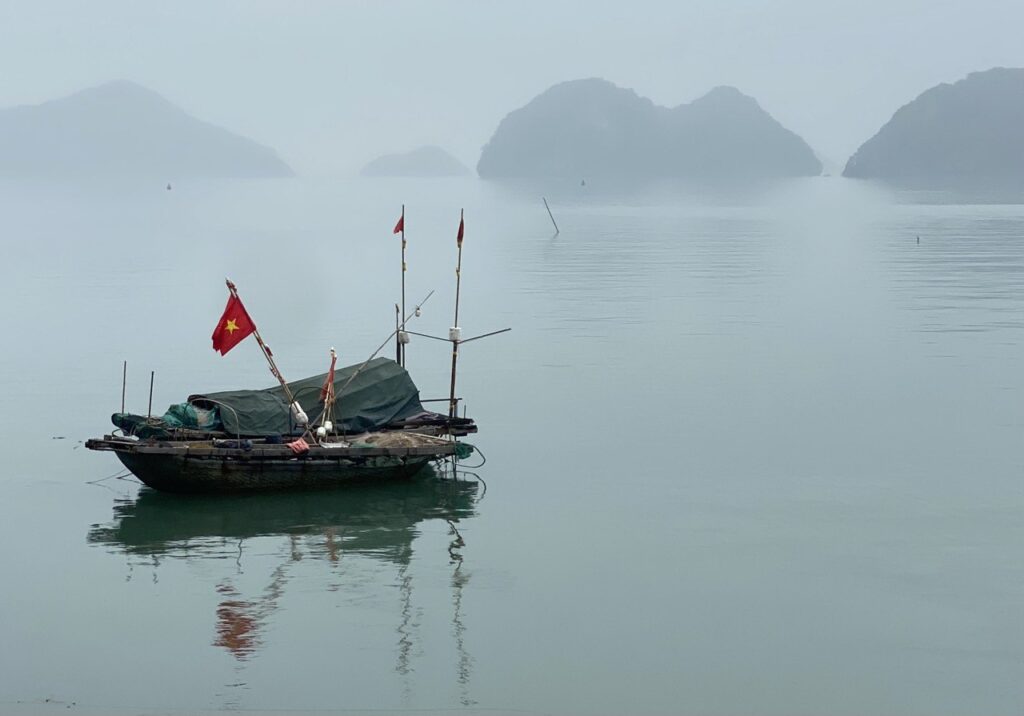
[747, 453]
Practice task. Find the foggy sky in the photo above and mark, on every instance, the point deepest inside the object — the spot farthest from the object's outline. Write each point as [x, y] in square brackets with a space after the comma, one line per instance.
[331, 85]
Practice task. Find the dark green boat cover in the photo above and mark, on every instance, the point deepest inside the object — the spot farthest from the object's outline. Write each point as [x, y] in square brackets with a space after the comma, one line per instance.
[381, 393]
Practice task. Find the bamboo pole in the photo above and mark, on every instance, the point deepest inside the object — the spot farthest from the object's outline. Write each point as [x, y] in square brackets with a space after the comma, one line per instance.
[401, 346]
[382, 346]
[398, 342]
[330, 398]
[452, 403]
[266, 351]
[458, 270]
[124, 383]
[550, 214]
[149, 410]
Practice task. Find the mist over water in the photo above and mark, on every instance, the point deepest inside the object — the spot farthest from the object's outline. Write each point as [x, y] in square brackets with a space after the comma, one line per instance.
[748, 452]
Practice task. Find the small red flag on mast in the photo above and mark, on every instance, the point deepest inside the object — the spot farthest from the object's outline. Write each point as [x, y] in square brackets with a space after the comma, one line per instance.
[328, 388]
[400, 226]
[462, 229]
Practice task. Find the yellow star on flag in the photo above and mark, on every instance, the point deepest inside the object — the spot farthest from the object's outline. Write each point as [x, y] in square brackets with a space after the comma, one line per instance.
[231, 326]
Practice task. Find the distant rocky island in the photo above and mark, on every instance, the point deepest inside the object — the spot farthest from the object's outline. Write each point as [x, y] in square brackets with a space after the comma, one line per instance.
[591, 127]
[123, 129]
[969, 132]
[428, 161]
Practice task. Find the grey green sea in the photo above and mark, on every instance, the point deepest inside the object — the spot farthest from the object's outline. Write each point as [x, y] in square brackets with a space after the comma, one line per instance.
[749, 451]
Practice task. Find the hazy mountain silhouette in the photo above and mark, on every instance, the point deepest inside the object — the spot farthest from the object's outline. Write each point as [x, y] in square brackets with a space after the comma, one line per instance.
[121, 128]
[591, 127]
[421, 162]
[963, 133]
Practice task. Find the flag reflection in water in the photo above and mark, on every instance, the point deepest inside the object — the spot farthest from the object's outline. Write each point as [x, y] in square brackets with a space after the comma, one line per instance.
[376, 522]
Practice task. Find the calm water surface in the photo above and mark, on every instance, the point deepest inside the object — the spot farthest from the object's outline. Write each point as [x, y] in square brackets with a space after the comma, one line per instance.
[749, 453]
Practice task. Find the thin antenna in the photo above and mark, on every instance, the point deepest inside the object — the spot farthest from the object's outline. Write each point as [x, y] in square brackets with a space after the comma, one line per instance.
[382, 345]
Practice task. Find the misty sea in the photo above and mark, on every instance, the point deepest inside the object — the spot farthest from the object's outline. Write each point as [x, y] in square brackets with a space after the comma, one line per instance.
[753, 451]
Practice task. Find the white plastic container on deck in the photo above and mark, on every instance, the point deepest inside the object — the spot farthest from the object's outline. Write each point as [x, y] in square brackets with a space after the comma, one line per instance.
[299, 415]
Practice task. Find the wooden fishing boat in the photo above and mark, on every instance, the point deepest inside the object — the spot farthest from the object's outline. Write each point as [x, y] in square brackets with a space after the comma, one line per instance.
[244, 465]
[245, 440]
[362, 423]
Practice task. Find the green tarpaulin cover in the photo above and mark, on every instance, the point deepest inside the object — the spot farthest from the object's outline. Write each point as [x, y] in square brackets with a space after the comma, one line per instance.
[381, 393]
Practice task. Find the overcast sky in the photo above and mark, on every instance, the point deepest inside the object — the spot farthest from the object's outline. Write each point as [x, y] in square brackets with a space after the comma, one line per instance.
[333, 84]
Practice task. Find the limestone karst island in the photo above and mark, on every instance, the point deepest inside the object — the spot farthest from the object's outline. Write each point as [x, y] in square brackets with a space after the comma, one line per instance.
[591, 127]
[123, 129]
[968, 132]
[429, 161]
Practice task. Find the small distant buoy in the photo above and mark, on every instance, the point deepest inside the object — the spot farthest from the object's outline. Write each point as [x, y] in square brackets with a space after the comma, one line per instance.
[918, 239]
[168, 187]
[583, 182]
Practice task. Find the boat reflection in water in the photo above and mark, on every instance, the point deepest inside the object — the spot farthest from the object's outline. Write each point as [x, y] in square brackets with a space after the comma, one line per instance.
[379, 522]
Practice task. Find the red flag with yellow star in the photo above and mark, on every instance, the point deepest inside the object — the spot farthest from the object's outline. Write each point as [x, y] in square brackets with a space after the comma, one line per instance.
[233, 326]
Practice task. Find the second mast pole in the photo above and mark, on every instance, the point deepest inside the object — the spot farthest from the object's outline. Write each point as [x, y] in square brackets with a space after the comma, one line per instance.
[401, 349]
[455, 334]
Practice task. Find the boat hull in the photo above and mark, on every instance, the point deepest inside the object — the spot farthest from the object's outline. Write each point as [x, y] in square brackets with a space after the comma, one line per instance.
[178, 473]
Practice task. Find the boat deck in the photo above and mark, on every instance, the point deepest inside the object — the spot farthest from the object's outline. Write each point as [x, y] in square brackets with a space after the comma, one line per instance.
[372, 445]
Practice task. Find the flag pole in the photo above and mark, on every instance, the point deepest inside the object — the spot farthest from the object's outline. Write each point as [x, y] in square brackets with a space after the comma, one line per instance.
[458, 268]
[398, 338]
[401, 346]
[455, 333]
[330, 397]
[263, 347]
[451, 398]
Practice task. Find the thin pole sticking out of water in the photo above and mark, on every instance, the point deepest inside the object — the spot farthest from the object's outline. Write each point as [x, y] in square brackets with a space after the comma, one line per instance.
[124, 382]
[550, 214]
[149, 411]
